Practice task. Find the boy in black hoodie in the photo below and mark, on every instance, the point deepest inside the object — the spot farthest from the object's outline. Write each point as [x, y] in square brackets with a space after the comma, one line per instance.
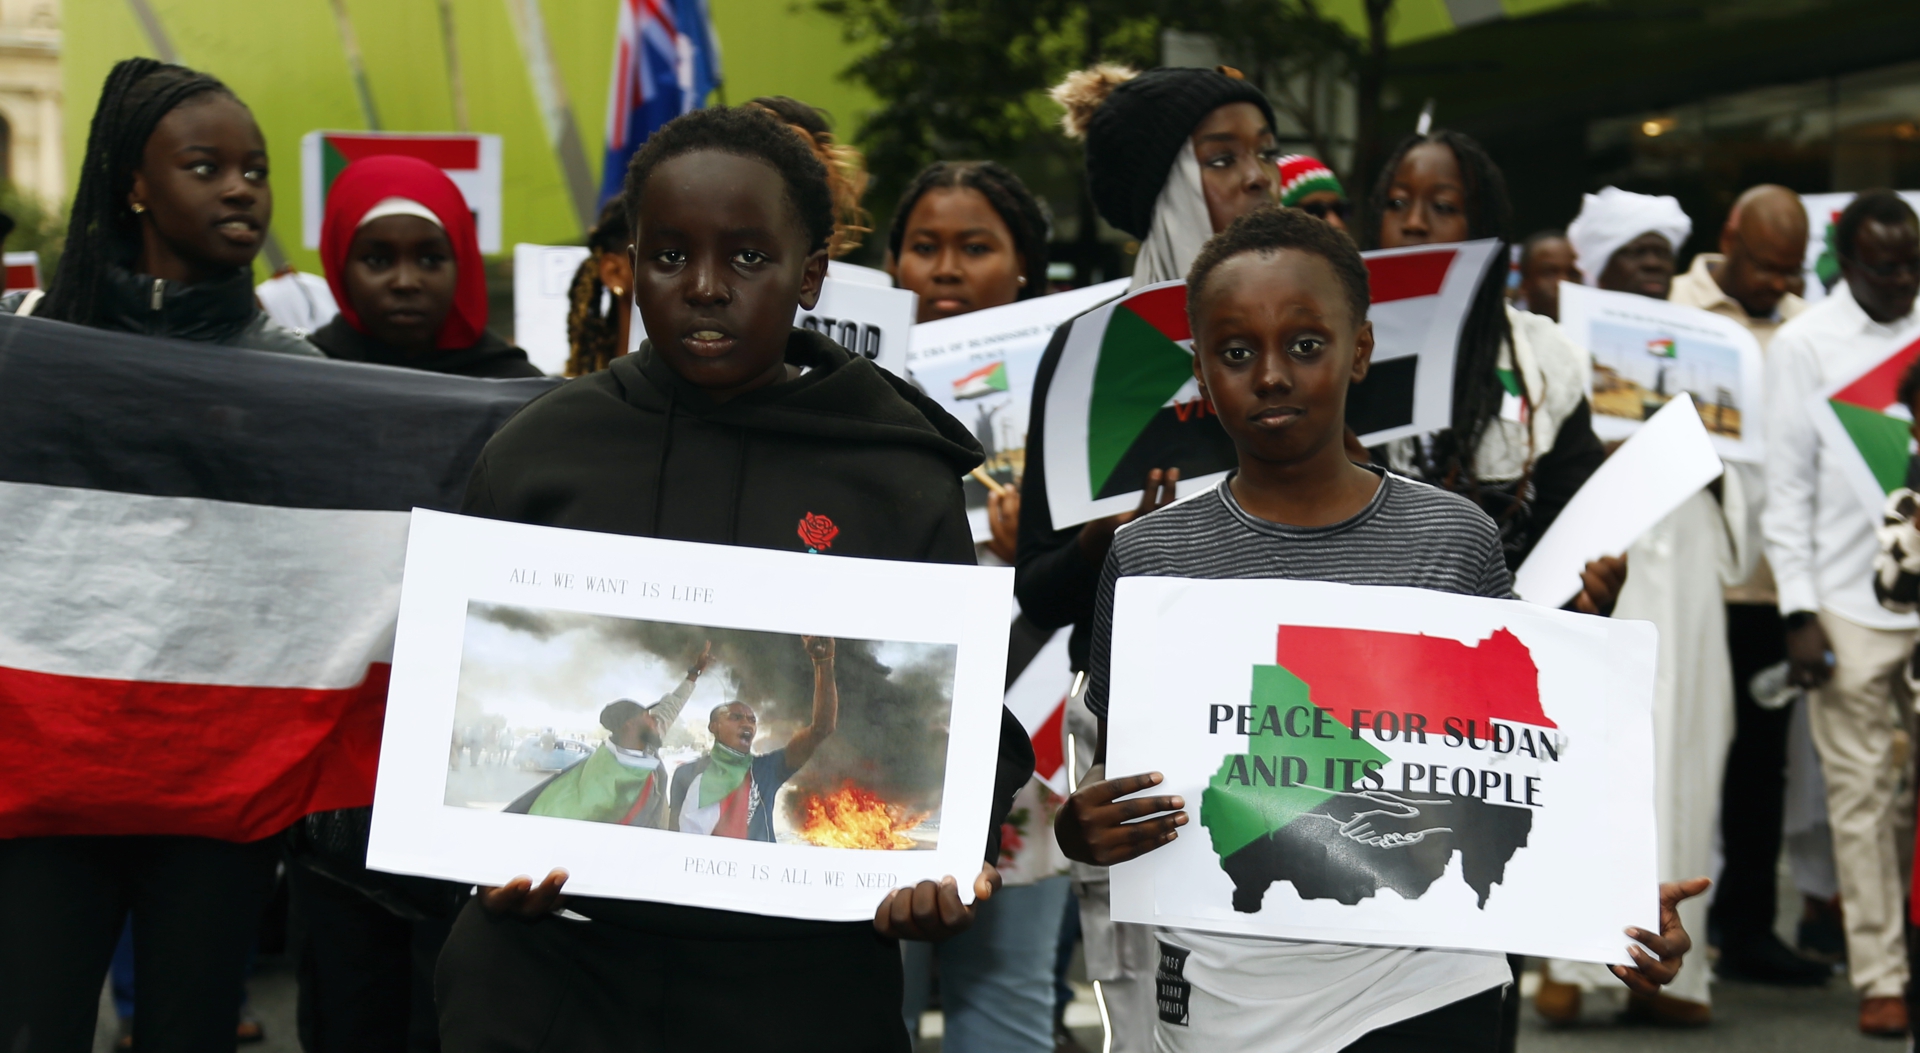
[727, 426]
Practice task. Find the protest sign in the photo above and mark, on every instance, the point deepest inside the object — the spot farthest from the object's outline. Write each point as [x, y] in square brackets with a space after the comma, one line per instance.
[202, 547]
[873, 321]
[832, 750]
[980, 368]
[1646, 352]
[1667, 461]
[1122, 399]
[471, 161]
[542, 284]
[841, 270]
[23, 270]
[1387, 766]
[1864, 428]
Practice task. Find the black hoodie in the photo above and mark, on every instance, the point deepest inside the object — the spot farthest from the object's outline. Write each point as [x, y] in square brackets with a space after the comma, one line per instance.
[490, 357]
[635, 449]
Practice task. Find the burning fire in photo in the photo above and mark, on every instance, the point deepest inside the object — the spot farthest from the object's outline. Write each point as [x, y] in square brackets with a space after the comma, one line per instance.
[852, 817]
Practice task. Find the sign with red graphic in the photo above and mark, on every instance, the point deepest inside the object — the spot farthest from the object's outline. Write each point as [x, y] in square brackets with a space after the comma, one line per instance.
[1865, 428]
[1122, 399]
[1387, 765]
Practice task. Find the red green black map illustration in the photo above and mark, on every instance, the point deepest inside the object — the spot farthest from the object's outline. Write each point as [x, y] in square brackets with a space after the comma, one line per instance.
[1318, 798]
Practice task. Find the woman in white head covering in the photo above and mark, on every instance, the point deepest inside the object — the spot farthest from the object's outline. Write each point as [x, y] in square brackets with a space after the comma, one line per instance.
[1627, 242]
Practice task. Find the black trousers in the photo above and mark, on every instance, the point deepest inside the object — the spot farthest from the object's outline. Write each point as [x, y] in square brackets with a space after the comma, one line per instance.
[508, 985]
[1753, 795]
[366, 974]
[196, 904]
[1471, 1025]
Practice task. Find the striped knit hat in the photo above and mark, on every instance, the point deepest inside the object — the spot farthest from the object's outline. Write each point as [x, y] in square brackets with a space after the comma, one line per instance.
[1301, 175]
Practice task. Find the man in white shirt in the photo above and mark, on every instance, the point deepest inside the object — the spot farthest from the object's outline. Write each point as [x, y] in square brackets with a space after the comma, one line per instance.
[1751, 281]
[1821, 544]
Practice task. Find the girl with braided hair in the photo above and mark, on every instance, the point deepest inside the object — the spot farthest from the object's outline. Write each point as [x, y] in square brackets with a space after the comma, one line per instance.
[173, 205]
[1522, 439]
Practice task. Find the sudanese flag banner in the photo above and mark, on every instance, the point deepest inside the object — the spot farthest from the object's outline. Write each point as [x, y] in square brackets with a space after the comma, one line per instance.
[1121, 399]
[202, 548]
[1388, 766]
[1865, 428]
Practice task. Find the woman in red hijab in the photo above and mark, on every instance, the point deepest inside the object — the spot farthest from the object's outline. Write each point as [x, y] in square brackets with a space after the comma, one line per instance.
[403, 261]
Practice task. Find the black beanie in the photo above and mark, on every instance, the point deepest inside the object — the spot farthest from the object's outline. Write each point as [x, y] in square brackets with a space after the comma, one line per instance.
[1136, 133]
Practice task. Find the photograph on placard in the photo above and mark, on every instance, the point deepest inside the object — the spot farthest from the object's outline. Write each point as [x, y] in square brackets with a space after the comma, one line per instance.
[701, 730]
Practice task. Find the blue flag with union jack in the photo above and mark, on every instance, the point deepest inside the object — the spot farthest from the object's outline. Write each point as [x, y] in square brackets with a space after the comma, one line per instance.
[666, 61]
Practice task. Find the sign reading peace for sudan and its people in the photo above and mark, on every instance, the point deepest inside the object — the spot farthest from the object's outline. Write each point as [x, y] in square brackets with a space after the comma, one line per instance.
[1387, 766]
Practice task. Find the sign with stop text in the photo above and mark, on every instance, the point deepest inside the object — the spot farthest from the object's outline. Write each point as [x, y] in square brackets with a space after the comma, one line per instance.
[1387, 766]
[770, 732]
[872, 321]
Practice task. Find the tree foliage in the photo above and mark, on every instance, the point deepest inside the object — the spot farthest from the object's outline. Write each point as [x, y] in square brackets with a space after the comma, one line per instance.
[963, 78]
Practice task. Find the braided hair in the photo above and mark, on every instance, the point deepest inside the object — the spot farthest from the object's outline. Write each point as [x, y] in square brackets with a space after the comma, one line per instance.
[102, 229]
[846, 169]
[1477, 392]
[593, 329]
[1024, 215]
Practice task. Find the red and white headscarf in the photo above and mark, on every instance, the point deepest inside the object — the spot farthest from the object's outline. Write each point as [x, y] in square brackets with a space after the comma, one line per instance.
[388, 186]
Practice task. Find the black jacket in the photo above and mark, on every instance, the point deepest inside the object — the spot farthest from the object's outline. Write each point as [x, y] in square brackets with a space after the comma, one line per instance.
[1053, 579]
[491, 357]
[219, 311]
[634, 449]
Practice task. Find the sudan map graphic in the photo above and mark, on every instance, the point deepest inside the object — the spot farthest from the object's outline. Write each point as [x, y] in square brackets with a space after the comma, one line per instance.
[1317, 798]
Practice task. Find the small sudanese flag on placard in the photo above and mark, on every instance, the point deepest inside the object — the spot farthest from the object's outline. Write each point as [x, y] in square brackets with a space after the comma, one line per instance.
[987, 380]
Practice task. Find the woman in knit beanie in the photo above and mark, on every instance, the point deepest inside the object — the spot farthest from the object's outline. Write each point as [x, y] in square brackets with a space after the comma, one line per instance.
[1173, 155]
[1306, 183]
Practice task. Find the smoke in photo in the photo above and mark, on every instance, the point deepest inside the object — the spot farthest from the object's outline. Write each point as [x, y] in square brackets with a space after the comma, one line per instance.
[527, 669]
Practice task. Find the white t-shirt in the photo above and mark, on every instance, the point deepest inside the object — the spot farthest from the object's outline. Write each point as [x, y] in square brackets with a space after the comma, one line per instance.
[1240, 993]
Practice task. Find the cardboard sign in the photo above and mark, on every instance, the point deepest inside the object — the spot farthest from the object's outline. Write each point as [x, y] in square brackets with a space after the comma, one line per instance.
[471, 161]
[1122, 399]
[549, 709]
[873, 321]
[1647, 352]
[542, 283]
[1387, 766]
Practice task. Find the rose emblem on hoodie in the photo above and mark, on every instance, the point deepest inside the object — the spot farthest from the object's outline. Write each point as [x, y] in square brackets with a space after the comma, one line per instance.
[818, 532]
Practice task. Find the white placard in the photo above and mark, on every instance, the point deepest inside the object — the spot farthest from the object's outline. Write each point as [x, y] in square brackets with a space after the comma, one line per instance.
[1667, 461]
[980, 368]
[873, 321]
[840, 270]
[542, 279]
[1646, 352]
[512, 639]
[1319, 735]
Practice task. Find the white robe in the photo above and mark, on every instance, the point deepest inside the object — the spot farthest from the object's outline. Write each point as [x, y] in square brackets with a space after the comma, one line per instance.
[1676, 573]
